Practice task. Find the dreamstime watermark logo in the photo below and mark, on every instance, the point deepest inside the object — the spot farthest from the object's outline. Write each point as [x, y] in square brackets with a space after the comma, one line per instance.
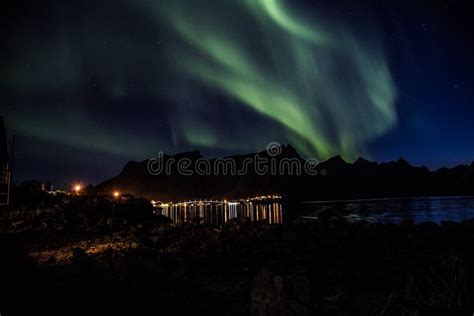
[272, 162]
[274, 149]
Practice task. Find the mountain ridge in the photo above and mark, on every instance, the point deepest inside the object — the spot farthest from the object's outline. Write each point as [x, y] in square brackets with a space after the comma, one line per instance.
[335, 178]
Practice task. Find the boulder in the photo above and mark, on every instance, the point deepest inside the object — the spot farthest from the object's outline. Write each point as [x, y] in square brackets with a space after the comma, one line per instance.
[280, 294]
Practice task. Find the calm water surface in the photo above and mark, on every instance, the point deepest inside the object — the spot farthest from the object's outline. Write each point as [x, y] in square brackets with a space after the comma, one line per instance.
[419, 210]
[435, 209]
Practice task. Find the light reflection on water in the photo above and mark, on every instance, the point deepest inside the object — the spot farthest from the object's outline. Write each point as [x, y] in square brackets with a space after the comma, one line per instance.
[418, 210]
[219, 213]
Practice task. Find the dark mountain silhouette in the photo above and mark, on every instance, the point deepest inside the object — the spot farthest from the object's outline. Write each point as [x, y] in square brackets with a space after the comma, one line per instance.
[335, 178]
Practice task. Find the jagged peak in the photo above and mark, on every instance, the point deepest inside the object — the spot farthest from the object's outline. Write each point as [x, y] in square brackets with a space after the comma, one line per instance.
[402, 162]
[336, 160]
[285, 151]
[289, 151]
[362, 162]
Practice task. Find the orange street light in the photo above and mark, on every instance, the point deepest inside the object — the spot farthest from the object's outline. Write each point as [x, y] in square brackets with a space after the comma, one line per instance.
[77, 188]
[116, 194]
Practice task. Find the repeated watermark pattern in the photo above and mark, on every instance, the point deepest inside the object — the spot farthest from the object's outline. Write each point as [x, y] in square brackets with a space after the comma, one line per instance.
[269, 164]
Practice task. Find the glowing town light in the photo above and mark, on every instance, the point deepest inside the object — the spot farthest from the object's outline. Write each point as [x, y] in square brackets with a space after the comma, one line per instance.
[77, 188]
[116, 194]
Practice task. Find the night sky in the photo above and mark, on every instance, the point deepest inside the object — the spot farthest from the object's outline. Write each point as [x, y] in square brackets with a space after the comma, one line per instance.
[88, 85]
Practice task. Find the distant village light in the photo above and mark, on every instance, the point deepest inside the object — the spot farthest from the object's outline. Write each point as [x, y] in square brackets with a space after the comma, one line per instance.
[77, 188]
[116, 194]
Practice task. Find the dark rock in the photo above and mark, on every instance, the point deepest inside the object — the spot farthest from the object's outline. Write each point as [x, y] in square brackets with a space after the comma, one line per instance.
[274, 294]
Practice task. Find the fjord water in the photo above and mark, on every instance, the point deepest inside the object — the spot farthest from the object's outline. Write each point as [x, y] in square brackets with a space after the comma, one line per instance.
[418, 210]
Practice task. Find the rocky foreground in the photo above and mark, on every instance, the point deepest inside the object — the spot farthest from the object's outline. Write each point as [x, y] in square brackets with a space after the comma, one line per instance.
[81, 262]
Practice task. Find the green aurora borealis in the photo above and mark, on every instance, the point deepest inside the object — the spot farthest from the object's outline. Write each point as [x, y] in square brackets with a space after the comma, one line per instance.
[121, 80]
[329, 91]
